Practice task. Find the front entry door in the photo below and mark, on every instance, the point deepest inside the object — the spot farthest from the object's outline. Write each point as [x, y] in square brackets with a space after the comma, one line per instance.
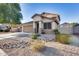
[37, 27]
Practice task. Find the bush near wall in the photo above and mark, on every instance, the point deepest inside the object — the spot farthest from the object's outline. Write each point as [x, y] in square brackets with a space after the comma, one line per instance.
[62, 38]
[56, 31]
[34, 36]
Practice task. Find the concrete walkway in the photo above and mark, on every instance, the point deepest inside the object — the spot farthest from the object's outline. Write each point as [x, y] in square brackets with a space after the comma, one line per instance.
[2, 53]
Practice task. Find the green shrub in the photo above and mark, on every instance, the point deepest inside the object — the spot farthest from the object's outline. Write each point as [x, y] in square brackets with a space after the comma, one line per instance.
[56, 31]
[34, 36]
[62, 38]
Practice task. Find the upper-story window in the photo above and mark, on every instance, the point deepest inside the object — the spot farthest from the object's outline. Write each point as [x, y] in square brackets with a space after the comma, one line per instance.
[47, 25]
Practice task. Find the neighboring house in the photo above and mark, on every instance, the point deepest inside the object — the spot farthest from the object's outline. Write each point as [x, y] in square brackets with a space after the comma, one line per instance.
[65, 28]
[68, 28]
[76, 29]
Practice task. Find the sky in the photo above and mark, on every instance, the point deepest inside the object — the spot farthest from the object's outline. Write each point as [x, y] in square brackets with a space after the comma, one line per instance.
[69, 12]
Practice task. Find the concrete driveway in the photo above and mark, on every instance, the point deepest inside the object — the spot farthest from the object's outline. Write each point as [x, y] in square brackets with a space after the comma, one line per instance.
[11, 35]
[2, 53]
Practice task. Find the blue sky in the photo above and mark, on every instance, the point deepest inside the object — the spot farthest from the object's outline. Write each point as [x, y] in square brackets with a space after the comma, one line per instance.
[69, 12]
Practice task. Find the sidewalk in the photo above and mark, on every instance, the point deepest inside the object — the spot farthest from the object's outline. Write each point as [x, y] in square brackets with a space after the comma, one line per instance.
[2, 53]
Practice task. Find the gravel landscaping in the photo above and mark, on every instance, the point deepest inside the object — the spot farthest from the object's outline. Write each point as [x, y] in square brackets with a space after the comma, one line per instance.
[65, 50]
[51, 49]
[20, 46]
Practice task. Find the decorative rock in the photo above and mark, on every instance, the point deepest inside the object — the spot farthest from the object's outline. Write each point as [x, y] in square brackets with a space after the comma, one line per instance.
[14, 45]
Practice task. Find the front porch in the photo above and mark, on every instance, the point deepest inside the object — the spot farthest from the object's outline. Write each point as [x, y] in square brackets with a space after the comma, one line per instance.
[37, 27]
[44, 27]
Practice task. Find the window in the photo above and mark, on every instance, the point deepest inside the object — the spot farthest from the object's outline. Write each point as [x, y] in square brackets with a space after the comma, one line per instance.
[47, 25]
